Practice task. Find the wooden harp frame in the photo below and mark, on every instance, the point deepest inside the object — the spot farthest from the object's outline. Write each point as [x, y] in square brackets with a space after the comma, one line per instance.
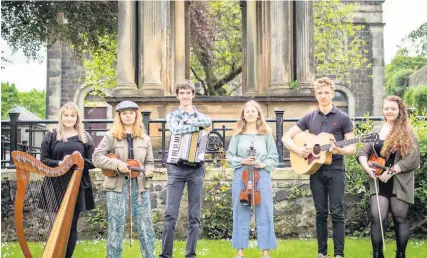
[25, 164]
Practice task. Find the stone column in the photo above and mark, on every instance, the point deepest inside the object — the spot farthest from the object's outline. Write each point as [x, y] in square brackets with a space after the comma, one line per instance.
[378, 81]
[250, 71]
[304, 44]
[152, 31]
[53, 89]
[281, 49]
[126, 54]
[180, 46]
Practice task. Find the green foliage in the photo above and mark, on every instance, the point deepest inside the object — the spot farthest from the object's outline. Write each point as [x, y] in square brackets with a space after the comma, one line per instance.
[30, 25]
[293, 84]
[100, 66]
[97, 219]
[9, 98]
[34, 100]
[216, 38]
[418, 211]
[337, 48]
[217, 209]
[296, 192]
[399, 82]
[416, 41]
[417, 97]
[398, 70]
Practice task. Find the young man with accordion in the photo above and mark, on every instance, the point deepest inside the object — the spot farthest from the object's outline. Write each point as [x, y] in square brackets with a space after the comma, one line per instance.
[189, 137]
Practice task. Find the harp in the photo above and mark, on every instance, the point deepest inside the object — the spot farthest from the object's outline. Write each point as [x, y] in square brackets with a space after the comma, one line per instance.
[26, 165]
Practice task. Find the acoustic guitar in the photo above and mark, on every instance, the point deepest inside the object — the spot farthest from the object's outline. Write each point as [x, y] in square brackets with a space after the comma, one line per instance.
[319, 145]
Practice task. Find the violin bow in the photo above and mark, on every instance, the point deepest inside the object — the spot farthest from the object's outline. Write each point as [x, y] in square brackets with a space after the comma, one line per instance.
[379, 213]
[130, 205]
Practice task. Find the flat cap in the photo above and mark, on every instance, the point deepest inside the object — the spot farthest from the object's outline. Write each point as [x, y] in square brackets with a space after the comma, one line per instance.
[126, 105]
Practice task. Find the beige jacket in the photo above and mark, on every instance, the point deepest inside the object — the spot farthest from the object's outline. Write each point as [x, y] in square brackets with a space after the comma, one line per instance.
[143, 152]
[403, 182]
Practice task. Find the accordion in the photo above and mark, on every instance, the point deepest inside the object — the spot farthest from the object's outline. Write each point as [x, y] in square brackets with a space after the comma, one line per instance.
[188, 148]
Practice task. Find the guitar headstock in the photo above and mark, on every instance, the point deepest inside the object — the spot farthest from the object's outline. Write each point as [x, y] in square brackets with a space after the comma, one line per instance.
[373, 137]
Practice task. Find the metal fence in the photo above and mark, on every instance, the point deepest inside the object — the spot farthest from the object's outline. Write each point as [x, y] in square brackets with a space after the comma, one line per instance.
[218, 138]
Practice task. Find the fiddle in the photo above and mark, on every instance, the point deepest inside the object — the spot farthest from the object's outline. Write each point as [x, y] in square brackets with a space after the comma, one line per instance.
[249, 195]
[133, 165]
[378, 163]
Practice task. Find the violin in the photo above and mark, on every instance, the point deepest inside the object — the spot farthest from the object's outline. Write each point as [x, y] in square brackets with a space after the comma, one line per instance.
[133, 165]
[378, 163]
[249, 195]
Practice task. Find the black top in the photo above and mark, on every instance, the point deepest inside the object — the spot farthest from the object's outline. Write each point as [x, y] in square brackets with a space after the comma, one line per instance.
[129, 139]
[336, 122]
[53, 188]
[385, 189]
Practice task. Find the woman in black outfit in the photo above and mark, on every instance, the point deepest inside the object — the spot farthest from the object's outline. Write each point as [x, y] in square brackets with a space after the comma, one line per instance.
[57, 145]
[398, 145]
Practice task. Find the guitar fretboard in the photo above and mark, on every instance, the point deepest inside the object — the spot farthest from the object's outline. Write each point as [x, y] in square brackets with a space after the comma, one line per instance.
[342, 143]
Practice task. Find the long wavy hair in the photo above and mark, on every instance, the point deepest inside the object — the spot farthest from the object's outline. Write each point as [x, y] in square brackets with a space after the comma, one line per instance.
[261, 125]
[78, 126]
[118, 130]
[399, 138]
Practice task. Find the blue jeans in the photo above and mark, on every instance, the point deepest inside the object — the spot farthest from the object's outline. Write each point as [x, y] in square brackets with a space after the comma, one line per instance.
[118, 205]
[264, 213]
[327, 184]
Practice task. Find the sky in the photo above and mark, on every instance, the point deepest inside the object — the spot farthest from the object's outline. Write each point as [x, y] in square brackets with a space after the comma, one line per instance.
[400, 16]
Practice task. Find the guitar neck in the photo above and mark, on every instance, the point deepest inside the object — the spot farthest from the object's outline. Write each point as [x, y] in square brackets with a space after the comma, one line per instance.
[342, 143]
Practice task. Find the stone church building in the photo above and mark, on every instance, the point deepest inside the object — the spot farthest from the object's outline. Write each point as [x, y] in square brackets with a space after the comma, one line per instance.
[277, 43]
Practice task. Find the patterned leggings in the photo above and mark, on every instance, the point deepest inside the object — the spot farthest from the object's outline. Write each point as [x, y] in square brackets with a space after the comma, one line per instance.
[118, 205]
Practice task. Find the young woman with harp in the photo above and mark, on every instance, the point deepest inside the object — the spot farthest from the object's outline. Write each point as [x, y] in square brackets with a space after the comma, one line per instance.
[57, 145]
[253, 133]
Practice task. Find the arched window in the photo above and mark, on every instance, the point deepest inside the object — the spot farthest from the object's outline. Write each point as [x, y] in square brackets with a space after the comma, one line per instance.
[340, 101]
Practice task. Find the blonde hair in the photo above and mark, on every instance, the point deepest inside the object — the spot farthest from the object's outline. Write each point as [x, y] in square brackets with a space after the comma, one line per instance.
[261, 125]
[185, 84]
[118, 130]
[399, 138]
[324, 81]
[78, 126]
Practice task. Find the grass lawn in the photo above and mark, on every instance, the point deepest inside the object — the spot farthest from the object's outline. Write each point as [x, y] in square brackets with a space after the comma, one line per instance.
[222, 248]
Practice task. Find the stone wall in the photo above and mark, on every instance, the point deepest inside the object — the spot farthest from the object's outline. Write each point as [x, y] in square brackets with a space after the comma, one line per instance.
[419, 77]
[294, 213]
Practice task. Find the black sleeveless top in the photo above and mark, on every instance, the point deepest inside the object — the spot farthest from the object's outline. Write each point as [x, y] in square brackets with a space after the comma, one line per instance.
[385, 189]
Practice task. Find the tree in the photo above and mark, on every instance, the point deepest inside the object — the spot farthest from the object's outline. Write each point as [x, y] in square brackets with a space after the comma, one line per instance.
[34, 100]
[398, 72]
[338, 49]
[100, 67]
[30, 25]
[9, 98]
[216, 38]
[415, 41]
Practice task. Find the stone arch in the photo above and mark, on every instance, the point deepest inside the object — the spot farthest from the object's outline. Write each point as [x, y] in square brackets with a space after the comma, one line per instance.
[351, 101]
[80, 96]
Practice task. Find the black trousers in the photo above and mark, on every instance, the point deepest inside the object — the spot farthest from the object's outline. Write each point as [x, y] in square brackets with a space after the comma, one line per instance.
[72, 240]
[327, 186]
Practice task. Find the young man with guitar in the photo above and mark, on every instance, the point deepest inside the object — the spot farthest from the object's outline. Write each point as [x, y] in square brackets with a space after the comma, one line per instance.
[327, 184]
[183, 121]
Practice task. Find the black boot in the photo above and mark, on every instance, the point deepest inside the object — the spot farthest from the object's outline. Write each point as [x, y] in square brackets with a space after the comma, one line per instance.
[378, 254]
[400, 254]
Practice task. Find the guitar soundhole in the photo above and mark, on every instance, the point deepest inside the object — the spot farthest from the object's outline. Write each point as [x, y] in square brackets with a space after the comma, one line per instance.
[316, 149]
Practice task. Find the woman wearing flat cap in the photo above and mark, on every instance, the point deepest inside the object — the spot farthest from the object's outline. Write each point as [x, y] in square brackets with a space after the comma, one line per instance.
[127, 140]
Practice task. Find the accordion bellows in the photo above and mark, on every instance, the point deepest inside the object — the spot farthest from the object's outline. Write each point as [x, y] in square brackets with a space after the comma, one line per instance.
[188, 148]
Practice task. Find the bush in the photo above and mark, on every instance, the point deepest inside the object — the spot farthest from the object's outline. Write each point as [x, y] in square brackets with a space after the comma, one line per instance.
[417, 97]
